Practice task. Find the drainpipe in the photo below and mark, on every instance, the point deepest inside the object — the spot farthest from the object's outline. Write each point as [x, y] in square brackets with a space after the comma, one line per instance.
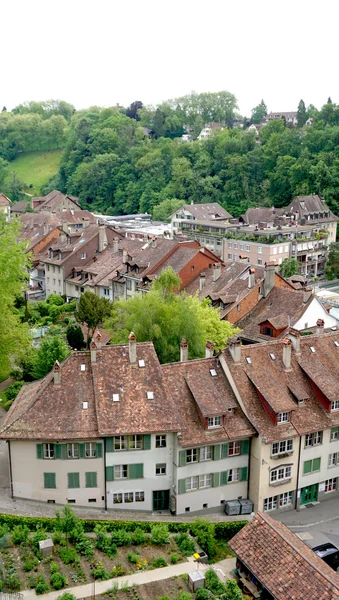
[105, 474]
[297, 504]
[249, 468]
[10, 467]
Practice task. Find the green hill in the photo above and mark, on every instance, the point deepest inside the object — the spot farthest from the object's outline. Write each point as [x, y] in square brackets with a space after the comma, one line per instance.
[35, 168]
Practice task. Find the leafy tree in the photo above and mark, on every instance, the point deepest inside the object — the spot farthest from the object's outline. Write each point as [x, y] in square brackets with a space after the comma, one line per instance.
[66, 521]
[332, 265]
[15, 187]
[132, 110]
[258, 113]
[289, 267]
[163, 210]
[92, 311]
[52, 348]
[232, 591]
[301, 114]
[75, 337]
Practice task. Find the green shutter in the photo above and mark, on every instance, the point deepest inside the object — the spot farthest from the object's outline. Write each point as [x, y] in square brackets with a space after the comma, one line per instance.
[91, 480]
[243, 474]
[181, 486]
[216, 480]
[245, 446]
[109, 445]
[81, 450]
[39, 450]
[217, 452]
[73, 480]
[147, 442]
[49, 481]
[99, 450]
[182, 458]
[224, 451]
[307, 466]
[136, 471]
[316, 464]
[63, 451]
[223, 477]
[57, 450]
[109, 473]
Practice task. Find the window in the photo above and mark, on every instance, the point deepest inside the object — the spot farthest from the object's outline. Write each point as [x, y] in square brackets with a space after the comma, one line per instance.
[285, 248]
[283, 417]
[333, 459]
[206, 453]
[54, 281]
[247, 247]
[135, 442]
[334, 434]
[120, 472]
[91, 480]
[73, 480]
[119, 442]
[259, 250]
[117, 498]
[160, 469]
[270, 503]
[241, 246]
[49, 481]
[192, 455]
[90, 450]
[85, 405]
[285, 499]
[59, 282]
[192, 483]
[106, 291]
[213, 373]
[139, 496]
[160, 441]
[233, 448]
[49, 451]
[214, 422]
[82, 367]
[282, 447]
[233, 475]
[311, 465]
[150, 395]
[128, 497]
[331, 484]
[281, 249]
[275, 250]
[235, 256]
[72, 450]
[229, 256]
[259, 261]
[335, 405]
[83, 255]
[235, 246]
[205, 480]
[230, 244]
[281, 474]
[313, 439]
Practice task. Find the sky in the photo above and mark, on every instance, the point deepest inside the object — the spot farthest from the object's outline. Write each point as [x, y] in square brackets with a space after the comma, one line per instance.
[111, 52]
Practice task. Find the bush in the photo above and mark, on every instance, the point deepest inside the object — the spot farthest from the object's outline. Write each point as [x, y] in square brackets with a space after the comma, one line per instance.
[225, 531]
[41, 586]
[213, 583]
[158, 562]
[38, 537]
[29, 563]
[185, 544]
[118, 571]
[202, 594]
[5, 541]
[68, 556]
[85, 548]
[13, 390]
[55, 299]
[175, 558]
[98, 572]
[203, 530]
[59, 538]
[66, 596]
[133, 558]
[160, 533]
[58, 581]
[54, 567]
[121, 537]
[139, 536]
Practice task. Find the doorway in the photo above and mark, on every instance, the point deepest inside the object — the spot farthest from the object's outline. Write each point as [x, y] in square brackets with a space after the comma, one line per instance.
[309, 494]
[161, 500]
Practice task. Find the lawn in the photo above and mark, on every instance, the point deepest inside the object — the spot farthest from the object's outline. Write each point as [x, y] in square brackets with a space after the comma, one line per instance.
[35, 168]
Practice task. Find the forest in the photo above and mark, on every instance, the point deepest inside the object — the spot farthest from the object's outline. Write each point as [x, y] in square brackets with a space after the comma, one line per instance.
[126, 160]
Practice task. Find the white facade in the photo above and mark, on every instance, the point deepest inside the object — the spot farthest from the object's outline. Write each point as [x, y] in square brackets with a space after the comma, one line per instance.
[314, 312]
[54, 277]
[319, 465]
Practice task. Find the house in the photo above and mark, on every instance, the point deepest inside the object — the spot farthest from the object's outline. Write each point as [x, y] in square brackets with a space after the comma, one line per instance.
[198, 213]
[276, 564]
[5, 206]
[55, 201]
[313, 209]
[209, 129]
[258, 215]
[289, 117]
[19, 208]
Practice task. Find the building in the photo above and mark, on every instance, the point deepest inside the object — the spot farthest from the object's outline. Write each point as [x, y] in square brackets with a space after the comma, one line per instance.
[5, 206]
[56, 202]
[288, 117]
[275, 564]
[19, 208]
[193, 216]
[209, 129]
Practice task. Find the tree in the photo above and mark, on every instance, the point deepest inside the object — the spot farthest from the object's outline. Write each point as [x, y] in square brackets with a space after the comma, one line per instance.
[301, 114]
[66, 521]
[52, 348]
[92, 311]
[15, 187]
[289, 267]
[132, 110]
[332, 265]
[75, 337]
[258, 113]
[232, 591]
[165, 317]
[163, 210]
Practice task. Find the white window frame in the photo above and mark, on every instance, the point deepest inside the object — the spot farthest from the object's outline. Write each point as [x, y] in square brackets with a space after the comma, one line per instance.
[117, 498]
[233, 475]
[192, 483]
[90, 450]
[281, 473]
[270, 503]
[119, 442]
[120, 471]
[136, 442]
[283, 417]
[259, 250]
[247, 247]
[128, 497]
[49, 451]
[282, 447]
[214, 422]
[334, 405]
[139, 497]
[205, 453]
[192, 456]
[160, 469]
[331, 485]
[83, 255]
[234, 448]
[205, 480]
[285, 499]
[334, 434]
[160, 441]
[73, 450]
[333, 459]
[313, 439]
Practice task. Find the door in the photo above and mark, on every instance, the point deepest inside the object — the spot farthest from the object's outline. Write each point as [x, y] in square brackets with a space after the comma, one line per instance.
[309, 494]
[161, 500]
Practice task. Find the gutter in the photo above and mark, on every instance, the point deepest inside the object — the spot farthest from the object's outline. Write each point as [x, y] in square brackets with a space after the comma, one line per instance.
[296, 505]
[105, 482]
[10, 467]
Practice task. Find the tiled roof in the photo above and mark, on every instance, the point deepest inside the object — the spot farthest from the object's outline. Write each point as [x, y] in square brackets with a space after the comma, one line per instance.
[206, 211]
[282, 563]
[4, 201]
[307, 204]
[253, 216]
[52, 200]
[19, 207]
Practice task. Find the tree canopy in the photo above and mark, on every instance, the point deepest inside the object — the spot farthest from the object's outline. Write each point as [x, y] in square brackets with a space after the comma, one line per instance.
[92, 311]
[289, 267]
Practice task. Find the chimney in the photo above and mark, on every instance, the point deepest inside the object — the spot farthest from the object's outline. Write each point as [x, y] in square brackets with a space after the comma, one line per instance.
[154, 242]
[269, 278]
[98, 339]
[209, 351]
[93, 348]
[46, 228]
[287, 353]
[124, 256]
[85, 222]
[251, 278]
[183, 350]
[102, 237]
[64, 226]
[235, 349]
[57, 373]
[307, 293]
[115, 245]
[320, 326]
[202, 281]
[294, 336]
[132, 348]
[216, 271]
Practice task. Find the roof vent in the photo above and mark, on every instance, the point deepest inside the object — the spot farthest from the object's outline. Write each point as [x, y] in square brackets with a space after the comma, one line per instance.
[124, 351]
[116, 397]
[85, 405]
[248, 359]
[230, 409]
[312, 348]
[272, 356]
[150, 395]
[141, 363]
[213, 372]
[336, 344]
[82, 367]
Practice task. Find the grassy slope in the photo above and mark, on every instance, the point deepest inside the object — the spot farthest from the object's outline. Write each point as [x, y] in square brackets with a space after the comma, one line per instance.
[35, 168]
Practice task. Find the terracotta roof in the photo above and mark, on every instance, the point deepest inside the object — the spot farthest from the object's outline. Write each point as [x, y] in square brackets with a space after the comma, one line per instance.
[20, 206]
[282, 563]
[270, 389]
[253, 216]
[206, 211]
[4, 201]
[323, 379]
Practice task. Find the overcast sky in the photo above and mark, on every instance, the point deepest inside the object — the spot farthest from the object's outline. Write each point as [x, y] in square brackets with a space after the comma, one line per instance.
[117, 51]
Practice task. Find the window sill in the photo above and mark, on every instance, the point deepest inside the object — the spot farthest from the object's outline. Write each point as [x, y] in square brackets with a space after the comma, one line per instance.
[282, 455]
[281, 482]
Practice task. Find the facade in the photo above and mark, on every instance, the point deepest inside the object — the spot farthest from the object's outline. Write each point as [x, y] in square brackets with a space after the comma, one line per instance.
[5, 206]
[198, 213]
[209, 129]
[55, 202]
[289, 117]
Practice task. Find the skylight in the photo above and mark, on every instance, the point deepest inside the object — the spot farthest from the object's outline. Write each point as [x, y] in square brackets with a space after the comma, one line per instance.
[116, 398]
[336, 344]
[141, 363]
[312, 348]
[150, 395]
[82, 367]
[249, 360]
[213, 372]
[85, 405]
[272, 356]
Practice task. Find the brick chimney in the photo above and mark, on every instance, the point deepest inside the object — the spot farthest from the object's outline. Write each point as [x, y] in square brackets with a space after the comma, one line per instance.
[209, 350]
[294, 336]
[115, 245]
[269, 277]
[154, 242]
[183, 350]
[320, 326]
[202, 281]
[98, 340]
[287, 353]
[251, 278]
[235, 349]
[216, 271]
[124, 256]
[85, 222]
[132, 348]
[57, 373]
[102, 237]
[93, 348]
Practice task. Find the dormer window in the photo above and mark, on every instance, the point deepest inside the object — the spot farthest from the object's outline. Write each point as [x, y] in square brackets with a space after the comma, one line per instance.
[284, 417]
[51, 254]
[141, 363]
[213, 372]
[214, 422]
[59, 256]
[85, 405]
[248, 360]
[272, 356]
[334, 405]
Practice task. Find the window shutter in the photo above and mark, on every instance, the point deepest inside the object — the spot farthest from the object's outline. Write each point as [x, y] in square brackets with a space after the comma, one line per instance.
[147, 442]
[73, 480]
[49, 480]
[39, 450]
[223, 477]
[217, 452]
[136, 471]
[57, 450]
[216, 480]
[181, 486]
[243, 474]
[224, 451]
[245, 446]
[307, 466]
[182, 458]
[63, 451]
[91, 479]
[99, 450]
[316, 464]
[109, 444]
[109, 473]
[81, 450]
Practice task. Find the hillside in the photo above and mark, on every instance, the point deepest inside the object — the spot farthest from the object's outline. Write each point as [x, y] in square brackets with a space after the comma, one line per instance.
[35, 168]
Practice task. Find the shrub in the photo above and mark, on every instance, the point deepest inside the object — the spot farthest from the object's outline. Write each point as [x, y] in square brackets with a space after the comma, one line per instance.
[59, 538]
[85, 548]
[203, 530]
[55, 299]
[29, 563]
[32, 580]
[54, 567]
[158, 562]
[58, 581]
[120, 537]
[160, 534]
[68, 555]
[5, 541]
[175, 558]
[213, 583]
[184, 595]
[118, 571]
[41, 586]
[139, 536]
[66, 596]
[202, 594]
[38, 537]
[185, 544]
[133, 558]
[98, 572]
[13, 390]
[225, 531]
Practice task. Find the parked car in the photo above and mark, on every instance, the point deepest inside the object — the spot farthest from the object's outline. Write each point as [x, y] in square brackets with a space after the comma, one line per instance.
[329, 553]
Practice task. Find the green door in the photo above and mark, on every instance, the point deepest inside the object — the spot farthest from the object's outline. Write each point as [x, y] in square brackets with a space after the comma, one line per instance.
[309, 494]
[161, 500]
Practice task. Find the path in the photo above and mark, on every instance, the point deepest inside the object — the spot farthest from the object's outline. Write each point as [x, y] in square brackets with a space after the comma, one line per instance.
[224, 567]
[5, 383]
